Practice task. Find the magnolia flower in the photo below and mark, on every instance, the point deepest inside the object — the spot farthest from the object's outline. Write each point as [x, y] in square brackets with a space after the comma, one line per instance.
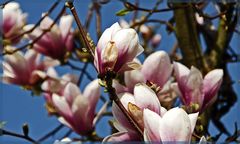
[55, 84]
[194, 89]
[13, 21]
[143, 97]
[58, 42]
[24, 70]
[76, 109]
[116, 49]
[156, 69]
[173, 126]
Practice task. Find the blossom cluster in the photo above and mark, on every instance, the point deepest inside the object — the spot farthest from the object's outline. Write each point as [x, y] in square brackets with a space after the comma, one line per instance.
[147, 90]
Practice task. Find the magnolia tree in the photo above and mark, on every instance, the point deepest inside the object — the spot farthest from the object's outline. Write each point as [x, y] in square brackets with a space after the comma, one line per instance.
[158, 97]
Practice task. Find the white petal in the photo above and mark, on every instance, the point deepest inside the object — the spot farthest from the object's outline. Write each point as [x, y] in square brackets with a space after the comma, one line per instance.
[175, 126]
[151, 125]
[145, 97]
[193, 119]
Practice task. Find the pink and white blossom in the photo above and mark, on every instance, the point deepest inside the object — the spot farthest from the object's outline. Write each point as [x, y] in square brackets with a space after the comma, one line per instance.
[58, 42]
[13, 21]
[76, 109]
[144, 97]
[194, 89]
[173, 126]
[116, 49]
[24, 69]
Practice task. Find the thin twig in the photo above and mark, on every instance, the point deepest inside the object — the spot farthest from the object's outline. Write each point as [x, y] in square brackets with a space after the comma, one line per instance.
[13, 134]
[82, 73]
[67, 134]
[89, 16]
[80, 27]
[148, 15]
[200, 12]
[5, 3]
[51, 133]
[131, 6]
[168, 24]
[38, 22]
[113, 96]
[98, 19]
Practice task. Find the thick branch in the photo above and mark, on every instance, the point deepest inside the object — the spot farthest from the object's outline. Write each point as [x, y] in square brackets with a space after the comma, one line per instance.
[187, 36]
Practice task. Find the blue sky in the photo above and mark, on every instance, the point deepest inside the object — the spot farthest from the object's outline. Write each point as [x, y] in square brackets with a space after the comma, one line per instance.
[17, 106]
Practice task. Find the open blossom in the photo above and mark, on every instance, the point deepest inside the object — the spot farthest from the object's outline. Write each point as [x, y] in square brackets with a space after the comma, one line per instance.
[175, 126]
[116, 49]
[58, 42]
[55, 84]
[194, 89]
[144, 97]
[13, 21]
[156, 69]
[25, 69]
[76, 109]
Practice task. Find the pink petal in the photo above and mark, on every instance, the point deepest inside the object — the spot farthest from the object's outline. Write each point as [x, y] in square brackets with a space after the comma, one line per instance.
[92, 93]
[145, 97]
[157, 68]
[180, 70]
[193, 87]
[211, 84]
[71, 91]
[151, 125]
[118, 114]
[119, 88]
[82, 123]
[62, 106]
[133, 77]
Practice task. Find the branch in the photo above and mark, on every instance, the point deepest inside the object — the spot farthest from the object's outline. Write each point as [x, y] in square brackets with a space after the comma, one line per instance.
[2, 5]
[51, 133]
[114, 97]
[84, 36]
[226, 28]
[98, 19]
[187, 36]
[147, 16]
[131, 6]
[26, 137]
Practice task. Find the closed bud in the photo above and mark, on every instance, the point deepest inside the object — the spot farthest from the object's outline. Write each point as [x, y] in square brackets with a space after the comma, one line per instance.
[25, 129]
